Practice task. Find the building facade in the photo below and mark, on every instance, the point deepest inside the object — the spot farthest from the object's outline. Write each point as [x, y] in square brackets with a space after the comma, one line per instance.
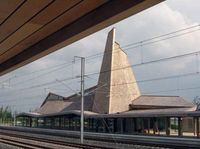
[115, 105]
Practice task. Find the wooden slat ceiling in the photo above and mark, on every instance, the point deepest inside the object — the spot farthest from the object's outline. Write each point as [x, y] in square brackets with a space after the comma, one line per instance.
[30, 29]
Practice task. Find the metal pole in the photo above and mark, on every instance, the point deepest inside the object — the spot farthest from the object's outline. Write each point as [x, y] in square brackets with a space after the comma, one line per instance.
[82, 97]
[14, 119]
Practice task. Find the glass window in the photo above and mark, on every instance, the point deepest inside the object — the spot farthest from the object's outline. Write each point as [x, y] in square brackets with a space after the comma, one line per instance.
[48, 122]
[146, 125]
[110, 125]
[174, 126]
[139, 125]
[57, 122]
[78, 124]
[198, 126]
[62, 122]
[40, 122]
[151, 125]
[34, 122]
[66, 122]
[99, 125]
[129, 125]
[160, 125]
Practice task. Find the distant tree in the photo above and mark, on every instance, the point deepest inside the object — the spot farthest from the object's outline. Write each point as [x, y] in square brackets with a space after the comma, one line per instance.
[196, 101]
[5, 115]
[1, 114]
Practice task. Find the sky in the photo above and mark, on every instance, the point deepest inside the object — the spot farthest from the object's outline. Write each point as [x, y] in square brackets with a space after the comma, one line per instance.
[25, 88]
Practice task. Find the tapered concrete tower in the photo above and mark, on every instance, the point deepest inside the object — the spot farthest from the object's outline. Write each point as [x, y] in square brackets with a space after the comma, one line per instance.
[117, 86]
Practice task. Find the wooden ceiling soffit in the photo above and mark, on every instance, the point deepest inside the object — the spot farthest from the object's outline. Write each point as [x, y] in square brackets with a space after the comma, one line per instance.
[103, 16]
[48, 27]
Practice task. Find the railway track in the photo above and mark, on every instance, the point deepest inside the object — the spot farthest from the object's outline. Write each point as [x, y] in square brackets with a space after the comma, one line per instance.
[20, 144]
[63, 136]
[29, 142]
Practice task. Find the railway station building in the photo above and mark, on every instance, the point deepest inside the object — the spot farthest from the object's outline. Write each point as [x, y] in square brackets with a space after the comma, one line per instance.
[115, 105]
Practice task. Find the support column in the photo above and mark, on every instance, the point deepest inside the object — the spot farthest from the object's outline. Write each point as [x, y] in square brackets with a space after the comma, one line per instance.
[106, 125]
[197, 126]
[154, 126]
[92, 124]
[45, 122]
[89, 124]
[30, 122]
[97, 125]
[36, 122]
[52, 122]
[142, 125]
[23, 121]
[135, 123]
[115, 125]
[64, 122]
[121, 125]
[26, 121]
[59, 122]
[180, 133]
[148, 119]
[167, 125]
[194, 125]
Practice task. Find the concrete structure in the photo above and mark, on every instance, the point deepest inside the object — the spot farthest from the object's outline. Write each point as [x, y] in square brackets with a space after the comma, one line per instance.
[44, 26]
[117, 90]
[115, 105]
[114, 90]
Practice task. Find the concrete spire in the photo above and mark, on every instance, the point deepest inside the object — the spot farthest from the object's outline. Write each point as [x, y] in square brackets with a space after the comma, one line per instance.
[117, 87]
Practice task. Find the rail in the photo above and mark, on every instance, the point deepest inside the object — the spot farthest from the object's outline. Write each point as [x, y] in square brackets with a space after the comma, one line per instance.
[157, 141]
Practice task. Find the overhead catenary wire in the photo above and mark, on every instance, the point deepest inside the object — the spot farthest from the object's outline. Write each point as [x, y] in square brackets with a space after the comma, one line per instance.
[144, 63]
[42, 85]
[189, 88]
[152, 38]
[171, 90]
[139, 64]
[44, 69]
[90, 74]
[156, 79]
[41, 75]
[131, 44]
[145, 41]
[139, 42]
[65, 85]
[134, 65]
[60, 66]
[119, 84]
[151, 43]
[19, 105]
[27, 98]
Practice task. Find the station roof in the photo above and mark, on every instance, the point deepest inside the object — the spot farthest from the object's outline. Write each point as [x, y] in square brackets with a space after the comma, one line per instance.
[31, 29]
[169, 112]
[160, 101]
[58, 104]
[55, 105]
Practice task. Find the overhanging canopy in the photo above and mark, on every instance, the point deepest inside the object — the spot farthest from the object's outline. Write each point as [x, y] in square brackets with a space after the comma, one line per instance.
[31, 29]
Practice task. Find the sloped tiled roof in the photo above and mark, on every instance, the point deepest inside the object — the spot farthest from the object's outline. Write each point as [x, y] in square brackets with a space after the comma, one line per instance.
[152, 113]
[55, 103]
[161, 101]
[52, 107]
[52, 97]
[134, 113]
[150, 102]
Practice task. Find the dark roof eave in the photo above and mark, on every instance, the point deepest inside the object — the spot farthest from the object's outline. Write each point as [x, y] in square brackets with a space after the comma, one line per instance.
[96, 115]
